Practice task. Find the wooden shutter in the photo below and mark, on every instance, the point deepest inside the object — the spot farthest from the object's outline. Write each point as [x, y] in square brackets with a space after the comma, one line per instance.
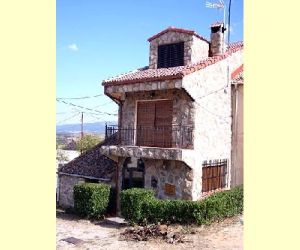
[154, 123]
[145, 123]
[170, 55]
[163, 123]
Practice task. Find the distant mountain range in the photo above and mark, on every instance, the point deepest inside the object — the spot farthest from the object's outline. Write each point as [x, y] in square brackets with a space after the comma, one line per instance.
[95, 128]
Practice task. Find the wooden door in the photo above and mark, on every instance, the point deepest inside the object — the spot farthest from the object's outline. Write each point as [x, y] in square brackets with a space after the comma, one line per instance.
[154, 123]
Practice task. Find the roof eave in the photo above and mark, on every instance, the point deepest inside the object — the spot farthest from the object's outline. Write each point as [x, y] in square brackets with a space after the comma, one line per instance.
[150, 79]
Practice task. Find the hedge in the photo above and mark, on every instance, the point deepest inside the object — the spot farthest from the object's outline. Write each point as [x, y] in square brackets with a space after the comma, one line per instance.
[132, 201]
[150, 210]
[91, 199]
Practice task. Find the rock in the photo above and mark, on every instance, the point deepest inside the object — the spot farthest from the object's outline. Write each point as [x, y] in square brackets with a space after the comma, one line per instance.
[163, 229]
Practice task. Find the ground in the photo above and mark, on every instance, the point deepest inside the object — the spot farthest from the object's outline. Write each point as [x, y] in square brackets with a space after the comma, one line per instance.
[225, 235]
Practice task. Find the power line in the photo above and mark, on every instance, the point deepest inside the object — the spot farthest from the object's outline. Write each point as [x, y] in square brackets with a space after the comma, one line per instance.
[101, 105]
[97, 118]
[78, 98]
[69, 118]
[94, 110]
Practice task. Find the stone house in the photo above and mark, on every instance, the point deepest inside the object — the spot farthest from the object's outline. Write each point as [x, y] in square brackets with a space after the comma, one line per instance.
[180, 126]
[91, 166]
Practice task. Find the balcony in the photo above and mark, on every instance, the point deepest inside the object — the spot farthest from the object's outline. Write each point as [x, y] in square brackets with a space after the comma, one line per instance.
[161, 143]
[180, 137]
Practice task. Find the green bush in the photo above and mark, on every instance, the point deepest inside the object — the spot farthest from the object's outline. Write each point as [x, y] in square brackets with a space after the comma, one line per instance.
[218, 206]
[147, 209]
[167, 211]
[131, 202]
[91, 199]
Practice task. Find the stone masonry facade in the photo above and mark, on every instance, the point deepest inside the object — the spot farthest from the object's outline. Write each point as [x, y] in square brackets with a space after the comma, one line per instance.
[164, 172]
[195, 49]
[201, 98]
[66, 185]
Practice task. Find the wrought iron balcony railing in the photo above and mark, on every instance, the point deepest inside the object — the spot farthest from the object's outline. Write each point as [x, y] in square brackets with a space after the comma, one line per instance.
[163, 136]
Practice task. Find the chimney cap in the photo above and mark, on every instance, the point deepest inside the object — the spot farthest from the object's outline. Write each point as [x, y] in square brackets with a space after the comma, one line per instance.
[217, 24]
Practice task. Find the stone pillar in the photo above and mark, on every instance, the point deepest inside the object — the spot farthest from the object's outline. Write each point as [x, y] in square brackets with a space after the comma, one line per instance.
[119, 184]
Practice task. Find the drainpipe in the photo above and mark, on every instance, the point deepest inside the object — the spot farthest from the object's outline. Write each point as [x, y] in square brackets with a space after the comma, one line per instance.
[234, 139]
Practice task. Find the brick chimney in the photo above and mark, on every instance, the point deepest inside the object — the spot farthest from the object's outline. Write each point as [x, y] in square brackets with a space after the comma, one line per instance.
[217, 43]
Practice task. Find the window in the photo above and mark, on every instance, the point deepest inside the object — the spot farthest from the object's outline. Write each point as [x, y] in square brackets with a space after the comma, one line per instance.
[170, 55]
[154, 123]
[214, 174]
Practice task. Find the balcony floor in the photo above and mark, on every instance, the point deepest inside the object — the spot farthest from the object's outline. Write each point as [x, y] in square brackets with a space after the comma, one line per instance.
[177, 154]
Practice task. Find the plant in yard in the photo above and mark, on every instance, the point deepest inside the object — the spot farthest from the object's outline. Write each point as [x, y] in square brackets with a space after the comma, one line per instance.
[132, 201]
[139, 205]
[91, 199]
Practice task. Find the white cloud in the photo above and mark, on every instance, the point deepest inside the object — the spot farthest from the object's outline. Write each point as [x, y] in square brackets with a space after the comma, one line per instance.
[73, 47]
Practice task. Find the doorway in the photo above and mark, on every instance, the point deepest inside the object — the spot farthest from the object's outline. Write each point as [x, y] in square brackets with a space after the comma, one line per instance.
[133, 173]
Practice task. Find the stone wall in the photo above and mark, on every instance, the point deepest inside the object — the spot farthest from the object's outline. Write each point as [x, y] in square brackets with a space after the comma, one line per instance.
[161, 172]
[172, 172]
[200, 50]
[66, 185]
[144, 86]
[213, 117]
[194, 48]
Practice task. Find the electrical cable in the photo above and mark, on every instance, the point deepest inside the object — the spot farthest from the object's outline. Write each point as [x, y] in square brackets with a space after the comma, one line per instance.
[78, 98]
[74, 105]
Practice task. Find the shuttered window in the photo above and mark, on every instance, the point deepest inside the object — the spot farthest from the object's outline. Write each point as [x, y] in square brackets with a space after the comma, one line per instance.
[154, 123]
[170, 55]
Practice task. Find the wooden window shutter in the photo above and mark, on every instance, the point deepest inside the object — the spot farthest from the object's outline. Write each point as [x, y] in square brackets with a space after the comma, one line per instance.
[170, 55]
[154, 123]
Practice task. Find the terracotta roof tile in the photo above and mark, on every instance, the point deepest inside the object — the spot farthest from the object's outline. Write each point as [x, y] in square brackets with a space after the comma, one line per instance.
[239, 78]
[173, 29]
[145, 74]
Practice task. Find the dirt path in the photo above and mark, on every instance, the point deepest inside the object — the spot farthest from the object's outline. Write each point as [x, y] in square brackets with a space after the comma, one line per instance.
[226, 235]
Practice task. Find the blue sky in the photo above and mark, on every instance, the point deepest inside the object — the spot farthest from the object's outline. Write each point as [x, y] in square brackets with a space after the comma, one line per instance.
[98, 39]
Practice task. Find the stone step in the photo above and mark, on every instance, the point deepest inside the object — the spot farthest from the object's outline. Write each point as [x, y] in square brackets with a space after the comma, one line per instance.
[115, 221]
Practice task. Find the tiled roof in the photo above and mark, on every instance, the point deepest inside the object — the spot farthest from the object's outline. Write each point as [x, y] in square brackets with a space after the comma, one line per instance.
[238, 75]
[92, 163]
[239, 78]
[173, 29]
[145, 74]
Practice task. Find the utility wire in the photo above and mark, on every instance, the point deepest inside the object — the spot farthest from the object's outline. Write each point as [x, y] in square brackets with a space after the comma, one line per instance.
[69, 118]
[101, 105]
[78, 98]
[94, 110]
[97, 118]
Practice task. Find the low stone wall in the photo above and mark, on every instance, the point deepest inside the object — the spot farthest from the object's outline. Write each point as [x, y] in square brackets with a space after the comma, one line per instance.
[66, 185]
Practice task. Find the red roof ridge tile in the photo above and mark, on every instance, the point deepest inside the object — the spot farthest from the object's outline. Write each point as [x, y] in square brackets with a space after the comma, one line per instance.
[180, 30]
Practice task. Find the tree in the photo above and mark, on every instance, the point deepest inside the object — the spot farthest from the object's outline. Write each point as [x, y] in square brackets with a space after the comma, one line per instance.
[87, 142]
[61, 156]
